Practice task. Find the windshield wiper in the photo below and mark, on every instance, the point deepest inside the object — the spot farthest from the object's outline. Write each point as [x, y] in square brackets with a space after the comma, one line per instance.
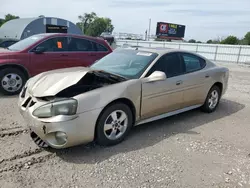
[109, 76]
[117, 77]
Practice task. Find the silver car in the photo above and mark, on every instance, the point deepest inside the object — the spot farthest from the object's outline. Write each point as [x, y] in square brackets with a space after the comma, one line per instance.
[68, 107]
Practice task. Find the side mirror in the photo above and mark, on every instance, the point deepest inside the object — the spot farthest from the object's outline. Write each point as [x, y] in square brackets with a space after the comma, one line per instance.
[156, 76]
[39, 50]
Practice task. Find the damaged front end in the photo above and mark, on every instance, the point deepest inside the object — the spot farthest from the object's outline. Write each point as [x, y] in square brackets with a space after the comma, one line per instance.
[49, 104]
[61, 102]
[68, 83]
[89, 82]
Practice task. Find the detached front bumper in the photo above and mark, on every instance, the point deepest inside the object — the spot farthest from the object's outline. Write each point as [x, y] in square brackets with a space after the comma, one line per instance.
[59, 131]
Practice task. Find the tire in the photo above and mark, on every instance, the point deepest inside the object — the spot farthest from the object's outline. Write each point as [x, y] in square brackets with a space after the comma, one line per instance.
[207, 107]
[16, 78]
[107, 137]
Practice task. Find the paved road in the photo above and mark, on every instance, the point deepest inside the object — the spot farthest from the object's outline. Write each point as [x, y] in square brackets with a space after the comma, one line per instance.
[189, 150]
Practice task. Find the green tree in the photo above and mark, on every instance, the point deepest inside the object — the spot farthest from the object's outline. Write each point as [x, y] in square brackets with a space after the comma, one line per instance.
[109, 27]
[192, 41]
[210, 41]
[93, 25]
[247, 39]
[230, 40]
[85, 20]
[99, 26]
[1, 21]
[7, 18]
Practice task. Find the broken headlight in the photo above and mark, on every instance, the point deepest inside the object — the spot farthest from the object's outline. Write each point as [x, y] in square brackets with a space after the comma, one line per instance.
[61, 107]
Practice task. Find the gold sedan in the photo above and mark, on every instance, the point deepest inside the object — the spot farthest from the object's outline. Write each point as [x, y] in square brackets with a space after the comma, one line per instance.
[68, 107]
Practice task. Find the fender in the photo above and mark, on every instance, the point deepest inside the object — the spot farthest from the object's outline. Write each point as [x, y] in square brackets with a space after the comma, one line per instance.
[16, 65]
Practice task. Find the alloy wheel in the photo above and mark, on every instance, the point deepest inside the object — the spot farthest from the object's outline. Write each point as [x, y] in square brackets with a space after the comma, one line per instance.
[12, 82]
[213, 99]
[116, 125]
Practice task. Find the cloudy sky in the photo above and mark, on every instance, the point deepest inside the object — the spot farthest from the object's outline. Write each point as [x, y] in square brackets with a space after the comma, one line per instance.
[204, 19]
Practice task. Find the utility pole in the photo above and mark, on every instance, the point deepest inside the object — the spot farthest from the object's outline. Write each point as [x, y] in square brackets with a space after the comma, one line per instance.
[149, 28]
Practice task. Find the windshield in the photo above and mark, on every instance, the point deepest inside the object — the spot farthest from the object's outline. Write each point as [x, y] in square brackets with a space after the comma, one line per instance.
[127, 63]
[25, 43]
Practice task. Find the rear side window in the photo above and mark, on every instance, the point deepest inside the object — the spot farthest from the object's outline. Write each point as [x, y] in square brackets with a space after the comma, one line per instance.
[100, 47]
[80, 45]
[193, 63]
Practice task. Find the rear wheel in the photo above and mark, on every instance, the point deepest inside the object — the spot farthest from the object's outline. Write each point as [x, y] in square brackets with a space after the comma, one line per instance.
[11, 81]
[212, 100]
[114, 124]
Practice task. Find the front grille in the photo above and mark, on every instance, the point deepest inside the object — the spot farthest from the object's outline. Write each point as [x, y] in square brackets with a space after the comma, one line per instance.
[32, 103]
[25, 104]
[28, 103]
[38, 140]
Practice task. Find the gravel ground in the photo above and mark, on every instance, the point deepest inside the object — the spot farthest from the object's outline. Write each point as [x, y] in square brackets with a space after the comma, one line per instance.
[188, 150]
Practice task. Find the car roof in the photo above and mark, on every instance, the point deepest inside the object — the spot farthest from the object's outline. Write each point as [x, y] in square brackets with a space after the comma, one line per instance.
[69, 34]
[160, 51]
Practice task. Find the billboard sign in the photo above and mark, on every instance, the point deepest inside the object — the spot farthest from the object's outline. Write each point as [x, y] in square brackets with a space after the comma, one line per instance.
[170, 30]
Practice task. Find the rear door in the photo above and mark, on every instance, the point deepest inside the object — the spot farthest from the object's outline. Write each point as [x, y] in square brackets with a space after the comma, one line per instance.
[54, 57]
[100, 50]
[195, 80]
[82, 52]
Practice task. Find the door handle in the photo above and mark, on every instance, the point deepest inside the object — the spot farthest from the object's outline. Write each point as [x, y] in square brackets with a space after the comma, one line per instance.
[179, 82]
[92, 54]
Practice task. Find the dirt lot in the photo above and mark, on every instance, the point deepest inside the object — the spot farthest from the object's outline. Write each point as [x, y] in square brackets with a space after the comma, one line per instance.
[189, 150]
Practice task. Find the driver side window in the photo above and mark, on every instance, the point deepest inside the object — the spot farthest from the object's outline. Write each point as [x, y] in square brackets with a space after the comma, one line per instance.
[170, 64]
[58, 44]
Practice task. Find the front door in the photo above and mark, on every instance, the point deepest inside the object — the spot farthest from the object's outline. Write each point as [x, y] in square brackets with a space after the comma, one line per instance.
[163, 96]
[54, 57]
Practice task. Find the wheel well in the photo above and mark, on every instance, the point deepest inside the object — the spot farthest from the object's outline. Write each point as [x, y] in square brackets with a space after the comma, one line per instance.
[19, 67]
[220, 85]
[126, 101]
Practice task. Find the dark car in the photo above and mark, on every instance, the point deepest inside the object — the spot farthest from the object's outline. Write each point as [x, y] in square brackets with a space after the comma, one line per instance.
[7, 42]
[44, 52]
[108, 37]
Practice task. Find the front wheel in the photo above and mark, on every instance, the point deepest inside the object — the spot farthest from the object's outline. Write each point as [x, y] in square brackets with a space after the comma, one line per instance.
[114, 124]
[11, 81]
[212, 100]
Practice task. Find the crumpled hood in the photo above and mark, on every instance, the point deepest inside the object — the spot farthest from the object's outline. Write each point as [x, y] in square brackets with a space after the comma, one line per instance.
[52, 82]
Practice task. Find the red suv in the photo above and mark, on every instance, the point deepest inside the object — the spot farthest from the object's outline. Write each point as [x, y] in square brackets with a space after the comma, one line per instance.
[44, 52]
